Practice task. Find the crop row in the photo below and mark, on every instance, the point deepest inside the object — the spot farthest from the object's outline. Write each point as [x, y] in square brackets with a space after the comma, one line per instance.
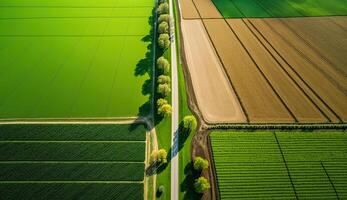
[59, 191]
[116, 132]
[71, 171]
[79, 151]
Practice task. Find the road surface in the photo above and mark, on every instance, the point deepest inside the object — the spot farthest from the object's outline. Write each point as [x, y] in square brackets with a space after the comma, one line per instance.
[175, 109]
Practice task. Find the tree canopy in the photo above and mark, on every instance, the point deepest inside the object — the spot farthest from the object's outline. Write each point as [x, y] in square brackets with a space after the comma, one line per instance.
[201, 185]
[189, 122]
[200, 163]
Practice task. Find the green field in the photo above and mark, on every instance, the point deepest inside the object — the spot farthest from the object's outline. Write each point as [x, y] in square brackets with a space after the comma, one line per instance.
[281, 165]
[72, 161]
[72, 59]
[280, 8]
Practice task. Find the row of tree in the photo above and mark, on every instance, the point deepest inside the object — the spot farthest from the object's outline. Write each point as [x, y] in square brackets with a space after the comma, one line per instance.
[163, 65]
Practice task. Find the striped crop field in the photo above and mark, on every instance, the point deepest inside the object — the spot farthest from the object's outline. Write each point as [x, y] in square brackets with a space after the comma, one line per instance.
[280, 165]
[85, 161]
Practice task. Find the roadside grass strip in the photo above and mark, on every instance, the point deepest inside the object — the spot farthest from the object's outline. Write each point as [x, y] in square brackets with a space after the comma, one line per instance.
[281, 165]
[77, 161]
[280, 8]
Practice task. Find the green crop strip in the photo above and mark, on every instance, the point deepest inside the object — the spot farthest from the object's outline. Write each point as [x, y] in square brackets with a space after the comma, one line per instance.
[280, 8]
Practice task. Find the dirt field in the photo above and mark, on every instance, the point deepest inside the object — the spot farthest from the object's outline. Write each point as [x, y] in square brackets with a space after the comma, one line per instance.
[207, 9]
[261, 103]
[216, 99]
[194, 9]
[188, 9]
[323, 79]
[285, 87]
[282, 70]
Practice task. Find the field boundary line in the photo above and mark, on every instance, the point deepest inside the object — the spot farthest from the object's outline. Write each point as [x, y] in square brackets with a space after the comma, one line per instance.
[67, 162]
[71, 182]
[282, 67]
[331, 182]
[298, 75]
[261, 72]
[290, 126]
[285, 163]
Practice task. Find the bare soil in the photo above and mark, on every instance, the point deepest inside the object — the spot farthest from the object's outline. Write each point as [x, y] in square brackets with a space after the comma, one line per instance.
[261, 103]
[318, 79]
[215, 97]
[285, 87]
[188, 9]
[207, 9]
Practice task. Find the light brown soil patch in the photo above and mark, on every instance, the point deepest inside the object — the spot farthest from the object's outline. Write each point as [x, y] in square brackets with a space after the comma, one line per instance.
[289, 92]
[259, 100]
[207, 9]
[314, 76]
[215, 97]
[188, 10]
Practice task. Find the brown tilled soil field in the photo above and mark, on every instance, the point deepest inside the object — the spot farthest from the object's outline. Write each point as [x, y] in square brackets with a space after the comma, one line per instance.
[194, 9]
[282, 70]
[216, 99]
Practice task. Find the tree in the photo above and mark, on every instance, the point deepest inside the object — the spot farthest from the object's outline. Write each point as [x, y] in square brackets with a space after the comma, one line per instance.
[164, 18]
[163, 65]
[163, 27]
[164, 40]
[163, 8]
[161, 102]
[189, 122]
[162, 79]
[165, 110]
[200, 164]
[201, 185]
[164, 89]
[154, 156]
[162, 156]
[159, 156]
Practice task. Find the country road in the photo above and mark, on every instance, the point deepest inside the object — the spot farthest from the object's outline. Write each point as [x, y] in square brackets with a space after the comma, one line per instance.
[175, 109]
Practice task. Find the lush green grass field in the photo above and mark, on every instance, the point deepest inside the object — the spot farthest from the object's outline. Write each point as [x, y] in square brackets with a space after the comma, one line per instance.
[280, 8]
[62, 59]
[281, 165]
[63, 161]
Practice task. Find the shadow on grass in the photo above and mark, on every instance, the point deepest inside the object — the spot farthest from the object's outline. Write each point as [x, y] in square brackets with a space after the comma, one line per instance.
[145, 66]
[187, 186]
[182, 135]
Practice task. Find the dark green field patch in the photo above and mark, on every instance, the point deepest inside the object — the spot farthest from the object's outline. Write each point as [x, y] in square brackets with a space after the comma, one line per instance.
[72, 161]
[280, 8]
[58, 191]
[281, 165]
[71, 171]
[79, 151]
[72, 132]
